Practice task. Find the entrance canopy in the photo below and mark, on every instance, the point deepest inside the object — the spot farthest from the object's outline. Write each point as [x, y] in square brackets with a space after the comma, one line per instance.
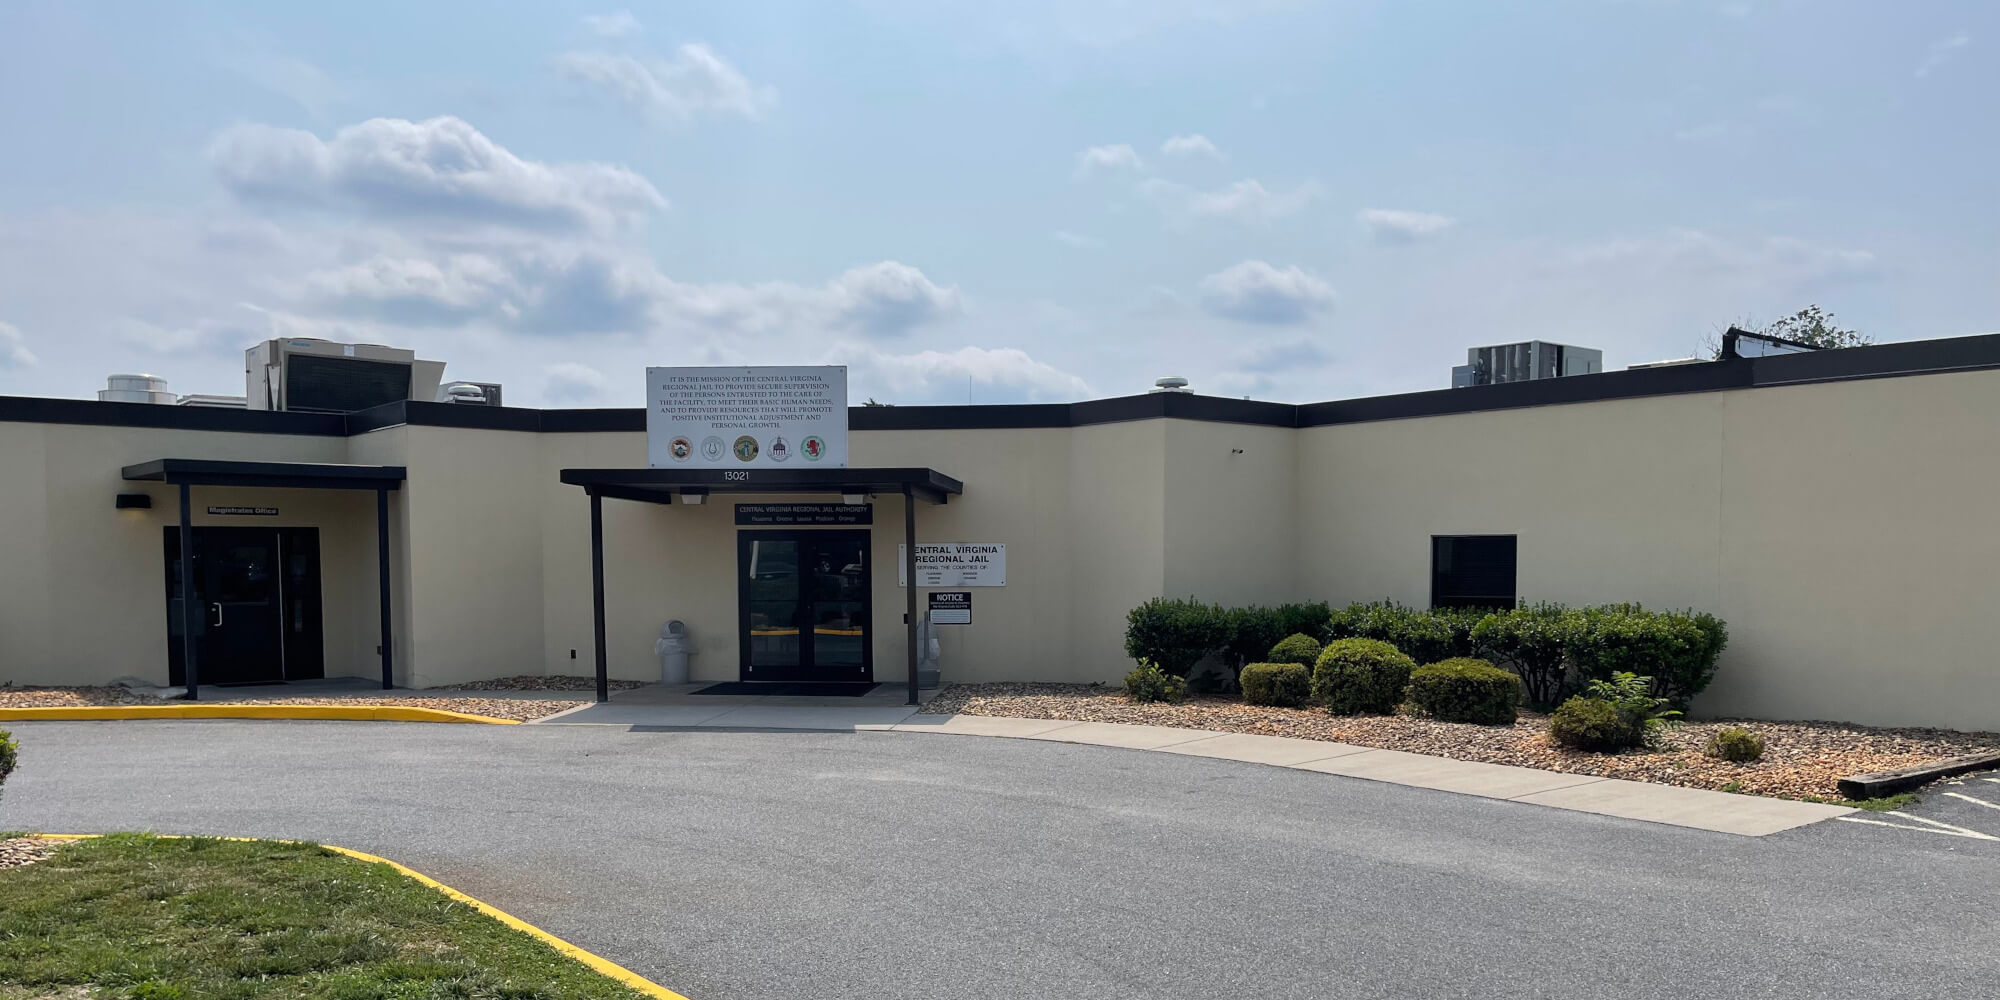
[290, 475]
[662, 485]
[190, 472]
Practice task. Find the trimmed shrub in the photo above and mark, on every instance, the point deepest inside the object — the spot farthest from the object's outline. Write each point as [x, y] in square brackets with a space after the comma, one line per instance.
[1287, 685]
[1635, 717]
[1421, 635]
[1252, 631]
[9, 754]
[1466, 690]
[1296, 648]
[1309, 618]
[1633, 695]
[1361, 676]
[1174, 634]
[1533, 641]
[1677, 649]
[1150, 683]
[1462, 622]
[1738, 745]
[1593, 724]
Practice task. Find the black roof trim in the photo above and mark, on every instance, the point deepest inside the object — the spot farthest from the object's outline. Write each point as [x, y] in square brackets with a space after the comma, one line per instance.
[290, 475]
[660, 485]
[1921, 357]
[91, 412]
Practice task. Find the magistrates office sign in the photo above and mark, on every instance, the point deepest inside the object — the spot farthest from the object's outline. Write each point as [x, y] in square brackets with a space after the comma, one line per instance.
[746, 418]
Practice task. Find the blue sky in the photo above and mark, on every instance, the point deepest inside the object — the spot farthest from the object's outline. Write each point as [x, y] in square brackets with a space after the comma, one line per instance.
[977, 202]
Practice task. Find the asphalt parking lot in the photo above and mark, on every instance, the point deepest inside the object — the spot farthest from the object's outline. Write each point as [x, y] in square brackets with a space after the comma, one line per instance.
[730, 864]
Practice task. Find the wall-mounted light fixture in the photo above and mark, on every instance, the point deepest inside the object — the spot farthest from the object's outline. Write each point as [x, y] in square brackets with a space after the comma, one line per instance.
[853, 498]
[135, 501]
[697, 499]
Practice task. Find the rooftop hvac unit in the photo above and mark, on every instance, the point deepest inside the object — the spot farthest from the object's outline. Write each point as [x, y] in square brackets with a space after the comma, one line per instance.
[319, 376]
[470, 393]
[135, 389]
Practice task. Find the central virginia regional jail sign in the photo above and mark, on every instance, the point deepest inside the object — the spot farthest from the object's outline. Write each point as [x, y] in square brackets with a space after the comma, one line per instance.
[746, 418]
[804, 513]
[956, 564]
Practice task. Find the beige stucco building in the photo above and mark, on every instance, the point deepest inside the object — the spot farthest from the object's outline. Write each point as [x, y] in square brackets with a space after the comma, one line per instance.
[1835, 508]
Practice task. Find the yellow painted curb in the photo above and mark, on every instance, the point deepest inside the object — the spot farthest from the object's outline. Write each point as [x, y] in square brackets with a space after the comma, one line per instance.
[348, 713]
[602, 966]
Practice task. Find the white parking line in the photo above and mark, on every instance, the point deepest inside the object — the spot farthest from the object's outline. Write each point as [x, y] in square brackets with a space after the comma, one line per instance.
[1993, 780]
[1947, 829]
[1969, 798]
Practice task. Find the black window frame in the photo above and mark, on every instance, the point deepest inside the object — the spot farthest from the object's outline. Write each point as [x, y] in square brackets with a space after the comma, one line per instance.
[1469, 594]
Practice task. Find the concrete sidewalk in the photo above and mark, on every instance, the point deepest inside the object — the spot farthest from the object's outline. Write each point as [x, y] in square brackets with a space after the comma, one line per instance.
[1745, 815]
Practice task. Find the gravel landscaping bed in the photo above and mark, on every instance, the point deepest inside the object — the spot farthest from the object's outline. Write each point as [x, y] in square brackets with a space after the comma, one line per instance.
[1801, 759]
[520, 709]
[533, 683]
[26, 851]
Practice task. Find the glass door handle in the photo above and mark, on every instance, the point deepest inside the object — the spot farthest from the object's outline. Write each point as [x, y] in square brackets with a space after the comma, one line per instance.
[217, 608]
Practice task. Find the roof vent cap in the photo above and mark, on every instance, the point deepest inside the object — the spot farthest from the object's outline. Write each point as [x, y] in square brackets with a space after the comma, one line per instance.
[1171, 383]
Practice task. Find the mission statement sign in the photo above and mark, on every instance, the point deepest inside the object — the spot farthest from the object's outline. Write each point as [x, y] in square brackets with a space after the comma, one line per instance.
[746, 418]
[956, 564]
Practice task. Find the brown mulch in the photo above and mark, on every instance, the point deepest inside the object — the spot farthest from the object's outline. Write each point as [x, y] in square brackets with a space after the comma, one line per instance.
[519, 709]
[26, 851]
[530, 682]
[1801, 759]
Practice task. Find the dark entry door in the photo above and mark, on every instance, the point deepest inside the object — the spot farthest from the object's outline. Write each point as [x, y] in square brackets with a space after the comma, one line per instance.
[802, 599]
[257, 605]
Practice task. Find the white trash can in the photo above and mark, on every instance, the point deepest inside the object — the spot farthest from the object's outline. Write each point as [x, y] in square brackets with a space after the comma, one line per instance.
[674, 647]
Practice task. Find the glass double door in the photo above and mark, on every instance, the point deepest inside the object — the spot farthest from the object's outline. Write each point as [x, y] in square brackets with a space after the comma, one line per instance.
[257, 605]
[802, 599]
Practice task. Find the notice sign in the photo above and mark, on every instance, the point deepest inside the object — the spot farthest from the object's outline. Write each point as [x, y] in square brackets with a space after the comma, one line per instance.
[804, 513]
[956, 564]
[746, 418]
[245, 511]
[951, 607]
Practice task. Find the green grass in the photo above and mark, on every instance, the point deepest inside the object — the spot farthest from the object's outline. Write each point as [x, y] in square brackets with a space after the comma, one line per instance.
[1887, 803]
[141, 918]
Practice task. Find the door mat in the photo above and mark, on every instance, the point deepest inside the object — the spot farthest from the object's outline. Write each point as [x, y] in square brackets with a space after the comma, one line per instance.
[797, 689]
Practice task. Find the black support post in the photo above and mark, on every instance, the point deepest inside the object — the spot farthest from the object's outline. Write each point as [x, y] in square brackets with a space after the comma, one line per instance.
[382, 586]
[597, 592]
[189, 669]
[910, 577]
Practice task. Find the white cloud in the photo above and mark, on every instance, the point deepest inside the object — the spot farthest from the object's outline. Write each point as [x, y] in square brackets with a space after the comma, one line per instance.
[1191, 145]
[14, 351]
[1781, 261]
[1107, 158]
[1256, 292]
[570, 383]
[560, 290]
[617, 24]
[693, 83]
[1077, 240]
[969, 374]
[439, 169]
[1942, 51]
[1246, 201]
[888, 298]
[1390, 226]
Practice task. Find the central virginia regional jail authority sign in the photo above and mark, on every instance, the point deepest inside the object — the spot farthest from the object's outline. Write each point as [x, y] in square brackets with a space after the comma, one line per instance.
[746, 418]
[956, 564]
